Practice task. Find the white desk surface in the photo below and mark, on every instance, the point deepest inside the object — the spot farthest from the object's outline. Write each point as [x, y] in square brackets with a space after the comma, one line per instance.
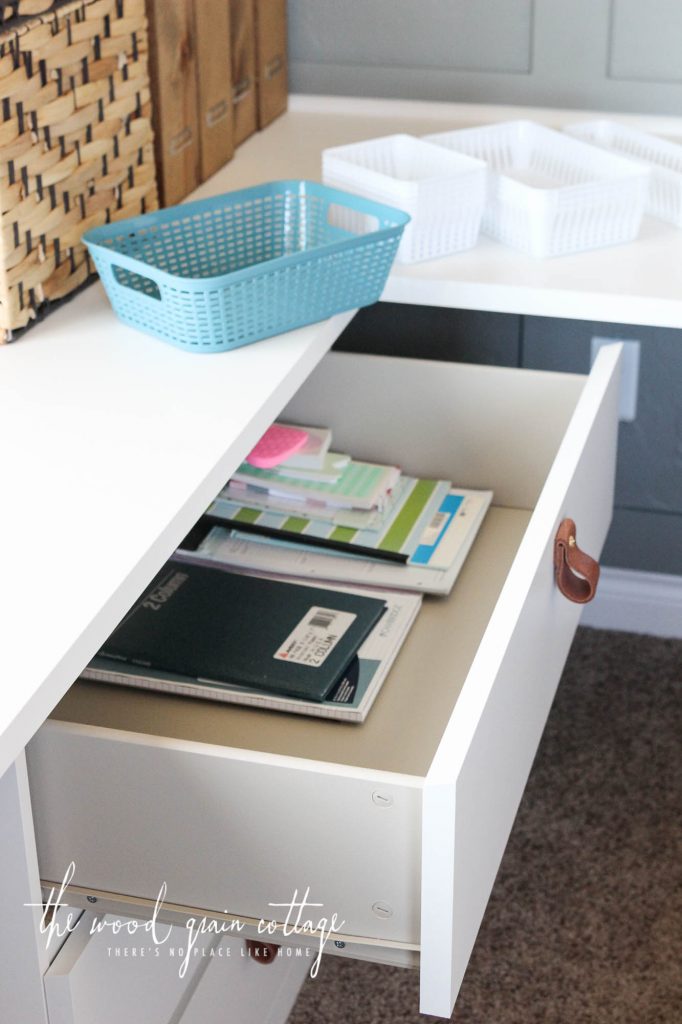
[114, 443]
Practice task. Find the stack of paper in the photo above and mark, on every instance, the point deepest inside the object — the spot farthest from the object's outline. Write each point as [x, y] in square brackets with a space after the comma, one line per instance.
[267, 638]
[373, 525]
[355, 484]
[393, 533]
[432, 569]
[340, 504]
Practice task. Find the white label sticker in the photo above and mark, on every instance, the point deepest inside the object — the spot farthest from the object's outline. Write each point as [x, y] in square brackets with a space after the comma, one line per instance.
[315, 637]
[433, 530]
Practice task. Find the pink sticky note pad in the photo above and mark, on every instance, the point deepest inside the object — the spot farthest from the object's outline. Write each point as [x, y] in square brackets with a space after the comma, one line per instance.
[276, 445]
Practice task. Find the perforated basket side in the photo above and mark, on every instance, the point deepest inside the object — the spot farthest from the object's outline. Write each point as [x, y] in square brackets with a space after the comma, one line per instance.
[549, 194]
[664, 158]
[443, 191]
[265, 304]
[216, 275]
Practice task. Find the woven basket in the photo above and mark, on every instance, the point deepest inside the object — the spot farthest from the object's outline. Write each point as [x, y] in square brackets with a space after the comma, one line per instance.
[76, 144]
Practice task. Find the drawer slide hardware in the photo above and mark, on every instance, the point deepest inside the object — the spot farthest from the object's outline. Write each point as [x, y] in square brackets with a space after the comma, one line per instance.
[576, 573]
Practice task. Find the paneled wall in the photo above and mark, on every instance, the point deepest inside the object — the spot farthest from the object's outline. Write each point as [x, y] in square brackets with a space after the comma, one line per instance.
[646, 533]
[596, 54]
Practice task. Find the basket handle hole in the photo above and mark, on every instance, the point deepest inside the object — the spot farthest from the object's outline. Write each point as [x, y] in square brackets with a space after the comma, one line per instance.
[353, 221]
[138, 283]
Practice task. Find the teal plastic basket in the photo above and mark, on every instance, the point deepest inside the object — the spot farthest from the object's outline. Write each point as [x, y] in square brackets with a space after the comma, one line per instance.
[220, 273]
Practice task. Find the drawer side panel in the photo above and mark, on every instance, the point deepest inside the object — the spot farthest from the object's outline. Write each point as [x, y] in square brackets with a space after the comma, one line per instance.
[476, 781]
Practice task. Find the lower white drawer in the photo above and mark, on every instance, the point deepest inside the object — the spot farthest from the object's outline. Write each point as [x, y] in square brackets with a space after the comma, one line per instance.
[398, 825]
[235, 989]
[56, 929]
[103, 974]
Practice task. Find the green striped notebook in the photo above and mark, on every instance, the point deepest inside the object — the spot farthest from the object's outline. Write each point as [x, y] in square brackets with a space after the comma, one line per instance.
[414, 504]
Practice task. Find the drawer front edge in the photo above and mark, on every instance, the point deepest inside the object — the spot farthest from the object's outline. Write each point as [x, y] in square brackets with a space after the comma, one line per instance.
[227, 831]
[475, 783]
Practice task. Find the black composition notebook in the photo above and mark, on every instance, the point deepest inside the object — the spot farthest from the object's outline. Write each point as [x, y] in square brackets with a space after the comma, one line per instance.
[217, 626]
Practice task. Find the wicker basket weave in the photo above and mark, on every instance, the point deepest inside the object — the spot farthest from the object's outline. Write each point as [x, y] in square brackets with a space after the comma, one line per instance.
[76, 144]
[12, 10]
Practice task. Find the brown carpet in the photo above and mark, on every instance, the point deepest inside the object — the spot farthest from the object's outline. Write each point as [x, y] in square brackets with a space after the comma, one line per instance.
[584, 925]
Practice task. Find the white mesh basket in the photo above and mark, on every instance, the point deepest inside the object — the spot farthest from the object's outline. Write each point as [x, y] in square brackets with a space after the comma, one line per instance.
[549, 194]
[444, 192]
[664, 159]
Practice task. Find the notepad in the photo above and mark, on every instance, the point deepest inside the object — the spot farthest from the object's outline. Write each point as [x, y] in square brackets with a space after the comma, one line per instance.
[415, 506]
[314, 451]
[219, 626]
[361, 485]
[349, 700]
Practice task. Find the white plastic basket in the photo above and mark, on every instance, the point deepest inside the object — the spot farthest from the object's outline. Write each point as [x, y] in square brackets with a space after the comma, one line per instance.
[444, 192]
[550, 194]
[662, 157]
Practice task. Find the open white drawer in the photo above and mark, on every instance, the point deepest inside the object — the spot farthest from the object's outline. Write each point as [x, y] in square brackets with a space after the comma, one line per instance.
[397, 825]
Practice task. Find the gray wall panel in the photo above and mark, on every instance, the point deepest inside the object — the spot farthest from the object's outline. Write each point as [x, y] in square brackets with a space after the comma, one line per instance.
[650, 448]
[391, 34]
[647, 541]
[591, 54]
[646, 40]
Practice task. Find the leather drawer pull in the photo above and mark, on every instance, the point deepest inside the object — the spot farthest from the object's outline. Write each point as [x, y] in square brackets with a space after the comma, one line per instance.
[262, 952]
[576, 573]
